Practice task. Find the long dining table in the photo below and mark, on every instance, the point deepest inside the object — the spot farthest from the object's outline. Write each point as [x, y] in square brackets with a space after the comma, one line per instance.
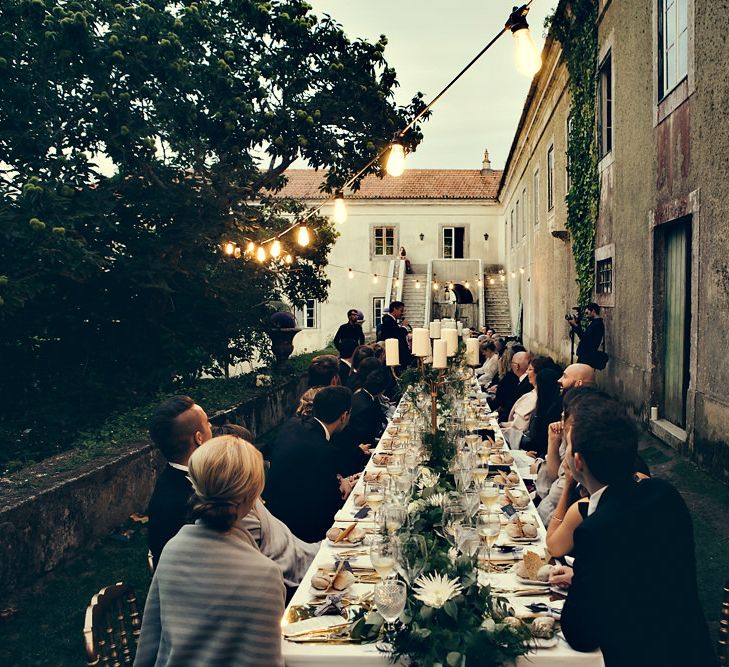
[505, 582]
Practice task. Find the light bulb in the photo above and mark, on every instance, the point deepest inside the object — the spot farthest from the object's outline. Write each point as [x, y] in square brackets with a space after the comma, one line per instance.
[450, 285]
[229, 248]
[374, 279]
[250, 248]
[396, 160]
[276, 248]
[491, 281]
[467, 285]
[417, 284]
[435, 286]
[340, 208]
[528, 59]
[261, 254]
[303, 236]
[521, 270]
[351, 274]
[236, 252]
[513, 274]
[288, 259]
[480, 282]
[397, 281]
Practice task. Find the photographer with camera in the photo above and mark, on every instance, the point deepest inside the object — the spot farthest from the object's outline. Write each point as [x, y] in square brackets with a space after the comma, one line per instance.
[588, 351]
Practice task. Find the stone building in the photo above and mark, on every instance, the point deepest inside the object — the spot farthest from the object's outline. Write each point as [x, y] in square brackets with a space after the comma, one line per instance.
[662, 273]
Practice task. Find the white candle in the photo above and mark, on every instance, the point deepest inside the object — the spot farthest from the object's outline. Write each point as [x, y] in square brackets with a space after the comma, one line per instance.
[472, 351]
[440, 353]
[448, 324]
[654, 413]
[435, 329]
[392, 352]
[451, 338]
[421, 342]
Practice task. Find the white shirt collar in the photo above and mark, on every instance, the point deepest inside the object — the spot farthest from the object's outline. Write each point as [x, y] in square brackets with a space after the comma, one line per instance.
[349, 363]
[326, 430]
[178, 466]
[521, 377]
[594, 500]
[392, 316]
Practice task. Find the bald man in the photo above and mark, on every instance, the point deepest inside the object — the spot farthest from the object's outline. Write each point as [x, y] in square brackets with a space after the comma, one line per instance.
[512, 386]
[576, 375]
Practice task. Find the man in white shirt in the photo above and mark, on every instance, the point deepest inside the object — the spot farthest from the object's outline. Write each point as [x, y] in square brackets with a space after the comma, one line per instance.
[490, 368]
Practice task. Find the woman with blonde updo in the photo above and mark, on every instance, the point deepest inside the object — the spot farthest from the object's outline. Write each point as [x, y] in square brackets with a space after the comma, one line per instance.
[215, 599]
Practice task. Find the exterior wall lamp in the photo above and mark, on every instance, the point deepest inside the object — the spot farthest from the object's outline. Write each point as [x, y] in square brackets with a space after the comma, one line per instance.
[422, 236]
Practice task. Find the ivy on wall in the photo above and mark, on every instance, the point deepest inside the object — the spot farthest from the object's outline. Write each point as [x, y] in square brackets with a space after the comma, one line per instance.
[574, 25]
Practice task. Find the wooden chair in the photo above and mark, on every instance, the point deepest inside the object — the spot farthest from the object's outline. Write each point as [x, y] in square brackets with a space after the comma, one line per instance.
[110, 618]
[723, 642]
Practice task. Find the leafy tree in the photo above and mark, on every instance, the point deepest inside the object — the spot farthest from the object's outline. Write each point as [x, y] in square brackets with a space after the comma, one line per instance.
[135, 138]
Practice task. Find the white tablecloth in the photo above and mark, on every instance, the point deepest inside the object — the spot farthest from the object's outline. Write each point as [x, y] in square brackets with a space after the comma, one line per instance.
[367, 655]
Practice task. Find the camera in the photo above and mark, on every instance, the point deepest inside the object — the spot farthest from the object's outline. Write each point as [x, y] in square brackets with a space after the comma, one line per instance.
[570, 316]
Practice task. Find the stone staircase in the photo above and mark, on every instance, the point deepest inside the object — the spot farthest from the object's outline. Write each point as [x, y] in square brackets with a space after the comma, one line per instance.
[414, 298]
[497, 306]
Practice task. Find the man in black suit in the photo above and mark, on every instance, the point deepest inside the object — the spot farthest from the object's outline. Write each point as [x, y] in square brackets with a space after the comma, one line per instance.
[391, 329]
[178, 427]
[304, 488]
[633, 590]
[346, 350]
[350, 330]
[512, 386]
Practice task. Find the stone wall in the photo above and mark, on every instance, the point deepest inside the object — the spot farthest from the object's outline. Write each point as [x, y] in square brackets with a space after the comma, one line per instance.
[65, 512]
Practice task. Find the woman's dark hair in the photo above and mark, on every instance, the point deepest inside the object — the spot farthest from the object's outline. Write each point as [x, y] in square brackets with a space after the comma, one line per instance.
[539, 363]
[365, 368]
[547, 391]
[361, 352]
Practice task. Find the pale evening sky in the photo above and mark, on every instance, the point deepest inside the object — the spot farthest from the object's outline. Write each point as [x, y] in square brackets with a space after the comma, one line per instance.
[429, 42]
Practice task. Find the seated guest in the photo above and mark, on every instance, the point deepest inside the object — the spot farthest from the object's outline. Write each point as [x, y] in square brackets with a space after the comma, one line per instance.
[178, 427]
[514, 385]
[367, 420]
[636, 537]
[346, 350]
[550, 480]
[361, 352]
[215, 599]
[547, 410]
[490, 368]
[305, 488]
[323, 371]
[367, 366]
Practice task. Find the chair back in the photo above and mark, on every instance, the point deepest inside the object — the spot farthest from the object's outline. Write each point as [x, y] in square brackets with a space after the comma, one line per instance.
[112, 626]
[723, 643]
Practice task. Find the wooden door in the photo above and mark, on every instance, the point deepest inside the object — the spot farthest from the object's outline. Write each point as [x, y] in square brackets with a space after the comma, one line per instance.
[677, 319]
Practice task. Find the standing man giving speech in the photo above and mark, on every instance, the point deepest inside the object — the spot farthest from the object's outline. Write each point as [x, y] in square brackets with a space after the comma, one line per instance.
[351, 329]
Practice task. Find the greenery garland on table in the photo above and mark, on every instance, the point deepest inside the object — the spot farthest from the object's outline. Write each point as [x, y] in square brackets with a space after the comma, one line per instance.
[466, 625]
[574, 25]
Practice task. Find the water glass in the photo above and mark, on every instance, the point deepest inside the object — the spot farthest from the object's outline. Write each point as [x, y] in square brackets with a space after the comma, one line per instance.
[390, 597]
[413, 556]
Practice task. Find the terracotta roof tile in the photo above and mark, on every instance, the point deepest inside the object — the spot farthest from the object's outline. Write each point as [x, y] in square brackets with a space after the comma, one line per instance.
[413, 184]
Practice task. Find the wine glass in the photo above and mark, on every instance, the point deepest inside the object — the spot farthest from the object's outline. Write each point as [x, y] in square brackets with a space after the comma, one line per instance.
[453, 515]
[413, 556]
[470, 501]
[383, 554]
[390, 597]
[374, 495]
[394, 516]
[468, 540]
[489, 525]
[489, 494]
[463, 476]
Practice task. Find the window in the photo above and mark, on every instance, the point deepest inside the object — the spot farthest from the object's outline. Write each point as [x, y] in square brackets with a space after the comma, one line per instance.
[524, 212]
[384, 241]
[448, 242]
[568, 180]
[513, 231]
[550, 178]
[378, 309]
[605, 101]
[306, 315]
[604, 282]
[535, 197]
[674, 34]
[518, 221]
